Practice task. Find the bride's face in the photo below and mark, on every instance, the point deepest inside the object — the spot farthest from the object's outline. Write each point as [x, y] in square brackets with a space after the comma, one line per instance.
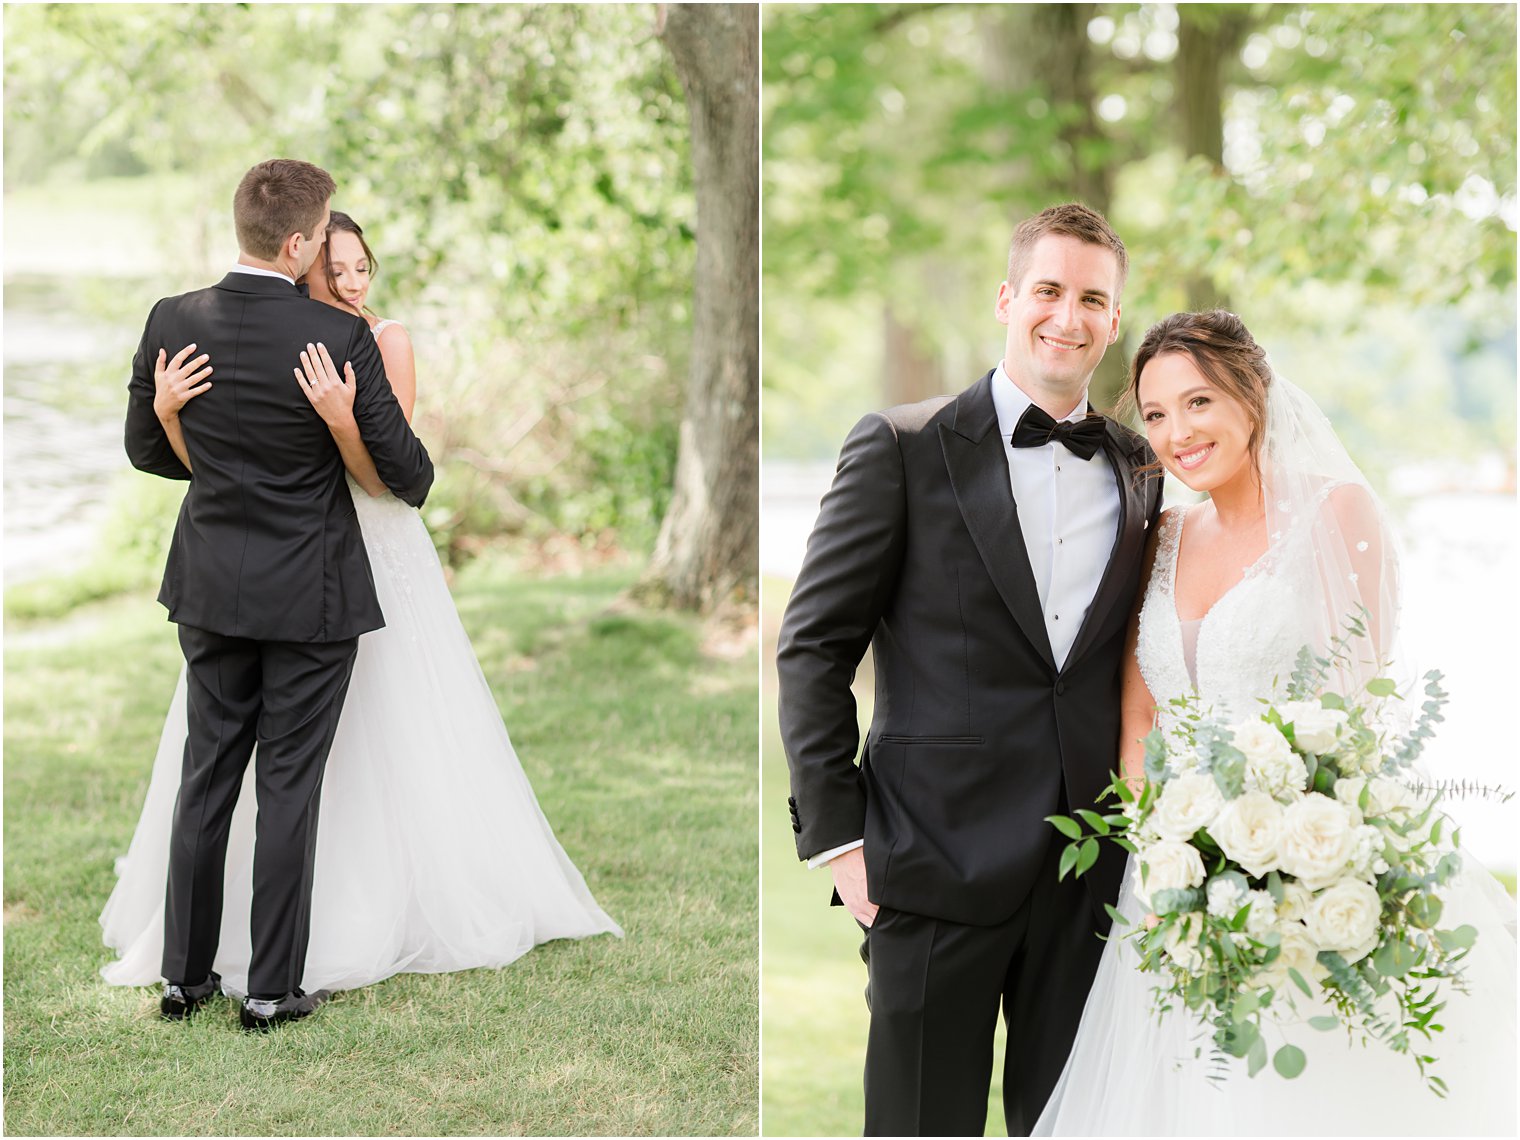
[1201, 434]
[350, 269]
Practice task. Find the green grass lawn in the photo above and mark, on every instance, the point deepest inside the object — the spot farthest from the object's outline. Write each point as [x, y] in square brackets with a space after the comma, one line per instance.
[813, 981]
[641, 749]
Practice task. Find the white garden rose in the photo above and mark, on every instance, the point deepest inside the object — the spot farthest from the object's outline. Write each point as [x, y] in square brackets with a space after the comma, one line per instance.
[1344, 918]
[1317, 841]
[1271, 764]
[1187, 804]
[1295, 902]
[1387, 798]
[1315, 728]
[1296, 950]
[1172, 866]
[1249, 830]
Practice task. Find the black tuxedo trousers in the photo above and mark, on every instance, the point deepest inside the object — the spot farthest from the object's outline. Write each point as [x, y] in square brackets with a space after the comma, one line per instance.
[934, 993]
[976, 736]
[286, 698]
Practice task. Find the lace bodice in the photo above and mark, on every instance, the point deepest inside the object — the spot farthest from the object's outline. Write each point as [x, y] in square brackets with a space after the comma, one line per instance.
[1247, 641]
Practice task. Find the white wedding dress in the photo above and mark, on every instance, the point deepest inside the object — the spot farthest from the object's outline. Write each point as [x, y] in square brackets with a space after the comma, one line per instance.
[432, 852]
[1132, 1073]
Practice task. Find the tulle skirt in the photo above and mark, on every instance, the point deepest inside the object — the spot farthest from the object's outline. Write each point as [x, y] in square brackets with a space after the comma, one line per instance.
[1134, 1073]
[432, 852]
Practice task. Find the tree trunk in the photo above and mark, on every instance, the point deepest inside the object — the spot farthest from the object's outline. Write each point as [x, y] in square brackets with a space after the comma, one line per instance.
[910, 373]
[1209, 36]
[707, 550]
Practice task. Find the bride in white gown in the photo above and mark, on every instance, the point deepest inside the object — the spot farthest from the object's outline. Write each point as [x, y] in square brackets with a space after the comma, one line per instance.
[1289, 541]
[432, 852]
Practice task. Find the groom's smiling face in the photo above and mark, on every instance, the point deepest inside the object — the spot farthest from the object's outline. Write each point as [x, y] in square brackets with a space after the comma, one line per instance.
[1061, 316]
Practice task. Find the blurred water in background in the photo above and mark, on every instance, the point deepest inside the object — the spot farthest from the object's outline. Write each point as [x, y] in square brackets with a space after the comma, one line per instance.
[1459, 615]
[65, 399]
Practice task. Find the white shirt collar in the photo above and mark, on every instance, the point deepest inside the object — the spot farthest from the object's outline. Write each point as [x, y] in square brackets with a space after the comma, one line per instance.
[1011, 402]
[239, 267]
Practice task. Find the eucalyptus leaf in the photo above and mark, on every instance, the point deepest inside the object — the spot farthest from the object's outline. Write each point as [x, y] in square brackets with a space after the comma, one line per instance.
[1289, 1061]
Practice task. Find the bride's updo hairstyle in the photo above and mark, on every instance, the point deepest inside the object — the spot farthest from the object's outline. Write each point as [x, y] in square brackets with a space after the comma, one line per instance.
[1223, 349]
[341, 222]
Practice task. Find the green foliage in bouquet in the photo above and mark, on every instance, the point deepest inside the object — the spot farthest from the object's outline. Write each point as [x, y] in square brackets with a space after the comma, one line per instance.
[1291, 870]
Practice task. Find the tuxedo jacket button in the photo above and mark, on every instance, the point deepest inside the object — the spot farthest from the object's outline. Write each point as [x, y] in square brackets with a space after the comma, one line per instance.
[1060, 687]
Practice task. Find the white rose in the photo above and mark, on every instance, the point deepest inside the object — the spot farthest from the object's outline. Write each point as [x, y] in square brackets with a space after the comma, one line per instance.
[1295, 902]
[1271, 764]
[1296, 950]
[1344, 918]
[1186, 804]
[1387, 798]
[1348, 792]
[1248, 831]
[1315, 728]
[1395, 798]
[1171, 866]
[1317, 841]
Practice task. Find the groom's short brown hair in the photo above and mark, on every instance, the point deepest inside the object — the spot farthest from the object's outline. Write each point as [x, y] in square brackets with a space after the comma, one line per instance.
[1071, 219]
[277, 198]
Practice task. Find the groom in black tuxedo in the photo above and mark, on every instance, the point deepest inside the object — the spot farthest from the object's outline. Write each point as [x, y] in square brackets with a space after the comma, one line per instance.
[988, 547]
[267, 577]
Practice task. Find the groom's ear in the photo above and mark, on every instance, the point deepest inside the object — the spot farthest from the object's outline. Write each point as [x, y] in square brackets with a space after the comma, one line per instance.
[1113, 326]
[1004, 299]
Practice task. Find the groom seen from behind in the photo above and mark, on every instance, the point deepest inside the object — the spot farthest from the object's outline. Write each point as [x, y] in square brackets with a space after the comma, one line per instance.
[267, 577]
[988, 548]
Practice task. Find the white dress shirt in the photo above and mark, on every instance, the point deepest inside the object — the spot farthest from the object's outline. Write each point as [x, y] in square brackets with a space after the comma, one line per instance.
[1068, 512]
[259, 271]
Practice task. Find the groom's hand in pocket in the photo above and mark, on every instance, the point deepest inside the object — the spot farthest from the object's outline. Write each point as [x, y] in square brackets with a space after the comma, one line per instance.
[850, 881]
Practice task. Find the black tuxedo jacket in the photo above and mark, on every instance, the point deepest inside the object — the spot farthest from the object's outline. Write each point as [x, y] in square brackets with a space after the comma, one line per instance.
[267, 545]
[917, 552]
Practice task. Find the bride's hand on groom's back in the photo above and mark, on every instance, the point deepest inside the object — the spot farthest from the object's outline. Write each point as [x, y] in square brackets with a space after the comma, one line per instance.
[178, 381]
[850, 881]
[330, 394]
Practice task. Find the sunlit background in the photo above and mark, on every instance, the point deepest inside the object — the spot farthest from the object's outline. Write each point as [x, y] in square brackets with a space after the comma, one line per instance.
[1343, 177]
[521, 172]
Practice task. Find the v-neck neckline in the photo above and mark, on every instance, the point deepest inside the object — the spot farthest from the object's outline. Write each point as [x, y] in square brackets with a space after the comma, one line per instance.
[1245, 575]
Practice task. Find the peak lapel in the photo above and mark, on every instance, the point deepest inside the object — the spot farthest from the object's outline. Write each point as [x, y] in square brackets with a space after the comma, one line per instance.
[978, 470]
[1129, 543]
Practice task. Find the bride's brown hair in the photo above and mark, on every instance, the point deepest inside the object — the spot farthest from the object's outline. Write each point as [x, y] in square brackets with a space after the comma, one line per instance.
[1223, 349]
[340, 221]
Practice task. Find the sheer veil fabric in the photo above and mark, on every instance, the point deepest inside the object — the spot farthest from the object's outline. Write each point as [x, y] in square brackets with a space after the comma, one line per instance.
[432, 852]
[1330, 557]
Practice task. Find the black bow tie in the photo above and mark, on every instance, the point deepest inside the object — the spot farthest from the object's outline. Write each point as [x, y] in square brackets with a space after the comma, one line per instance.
[303, 289]
[1082, 438]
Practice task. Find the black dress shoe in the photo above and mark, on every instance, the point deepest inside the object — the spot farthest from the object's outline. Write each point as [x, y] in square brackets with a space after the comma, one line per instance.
[179, 1002]
[262, 1013]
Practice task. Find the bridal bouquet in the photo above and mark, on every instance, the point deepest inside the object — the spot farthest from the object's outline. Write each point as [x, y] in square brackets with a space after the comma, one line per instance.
[1282, 858]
